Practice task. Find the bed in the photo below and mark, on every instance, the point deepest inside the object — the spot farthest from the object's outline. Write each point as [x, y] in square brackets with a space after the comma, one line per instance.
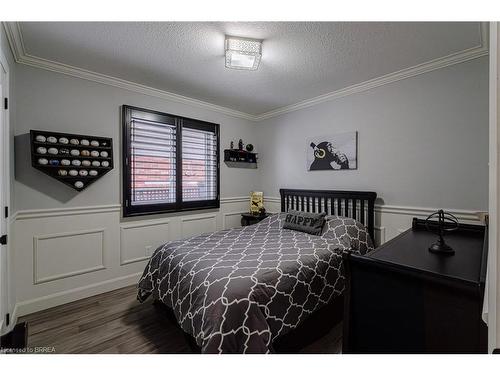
[244, 290]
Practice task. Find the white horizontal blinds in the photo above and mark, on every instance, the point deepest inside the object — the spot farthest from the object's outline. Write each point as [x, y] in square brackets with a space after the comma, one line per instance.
[153, 161]
[199, 164]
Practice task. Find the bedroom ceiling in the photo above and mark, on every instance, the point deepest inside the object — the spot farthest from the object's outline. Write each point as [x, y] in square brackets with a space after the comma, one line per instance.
[300, 60]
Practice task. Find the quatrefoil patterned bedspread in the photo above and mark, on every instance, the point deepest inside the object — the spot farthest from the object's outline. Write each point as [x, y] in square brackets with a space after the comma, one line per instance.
[236, 290]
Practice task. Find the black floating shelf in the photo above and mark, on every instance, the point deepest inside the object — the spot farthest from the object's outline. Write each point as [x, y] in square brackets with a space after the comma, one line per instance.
[240, 159]
[105, 144]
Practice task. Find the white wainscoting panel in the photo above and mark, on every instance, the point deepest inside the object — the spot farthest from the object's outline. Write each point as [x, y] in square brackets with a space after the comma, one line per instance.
[232, 219]
[192, 226]
[60, 255]
[139, 241]
[65, 254]
[379, 233]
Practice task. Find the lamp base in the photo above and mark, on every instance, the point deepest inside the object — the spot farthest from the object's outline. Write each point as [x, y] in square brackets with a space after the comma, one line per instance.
[441, 248]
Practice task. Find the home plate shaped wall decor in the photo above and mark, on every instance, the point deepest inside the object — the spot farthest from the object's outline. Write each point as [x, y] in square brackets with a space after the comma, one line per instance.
[74, 159]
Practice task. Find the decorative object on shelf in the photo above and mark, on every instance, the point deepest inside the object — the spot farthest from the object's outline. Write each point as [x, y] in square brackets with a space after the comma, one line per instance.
[334, 152]
[256, 202]
[240, 144]
[65, 162]
[446, 223]
[231, 145]
[249, 147]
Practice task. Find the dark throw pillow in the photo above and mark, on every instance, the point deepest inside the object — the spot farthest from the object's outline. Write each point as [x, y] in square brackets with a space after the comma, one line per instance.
[307, 222]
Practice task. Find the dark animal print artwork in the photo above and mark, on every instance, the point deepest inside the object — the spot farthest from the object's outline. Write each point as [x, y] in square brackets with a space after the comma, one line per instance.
[337, 152]
[237, 290]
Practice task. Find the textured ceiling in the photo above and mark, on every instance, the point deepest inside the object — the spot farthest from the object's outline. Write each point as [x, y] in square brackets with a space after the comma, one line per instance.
[300, 60]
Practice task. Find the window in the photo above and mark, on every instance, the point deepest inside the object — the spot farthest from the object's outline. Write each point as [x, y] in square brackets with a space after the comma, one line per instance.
[170, 163]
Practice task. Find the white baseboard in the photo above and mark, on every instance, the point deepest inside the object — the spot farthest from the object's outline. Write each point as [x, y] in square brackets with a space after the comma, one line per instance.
[56, 299]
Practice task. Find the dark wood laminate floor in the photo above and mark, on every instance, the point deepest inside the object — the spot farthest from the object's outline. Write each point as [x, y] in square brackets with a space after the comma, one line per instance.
[115, 322]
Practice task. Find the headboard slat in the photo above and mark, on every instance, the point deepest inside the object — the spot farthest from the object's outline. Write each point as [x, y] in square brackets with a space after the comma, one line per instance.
[294, 199]
[362, 211]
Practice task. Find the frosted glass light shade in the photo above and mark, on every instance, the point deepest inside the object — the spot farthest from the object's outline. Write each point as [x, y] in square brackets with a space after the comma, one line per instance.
[243, 53]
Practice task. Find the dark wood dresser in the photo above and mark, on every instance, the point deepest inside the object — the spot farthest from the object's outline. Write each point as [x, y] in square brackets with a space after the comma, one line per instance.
[401, 298]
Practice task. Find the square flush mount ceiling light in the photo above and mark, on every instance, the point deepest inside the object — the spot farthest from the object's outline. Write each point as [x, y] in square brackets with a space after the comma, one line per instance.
[243, 53]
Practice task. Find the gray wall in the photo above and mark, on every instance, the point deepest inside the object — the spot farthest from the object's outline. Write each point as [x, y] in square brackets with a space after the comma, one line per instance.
[52, 101]
[423, 141]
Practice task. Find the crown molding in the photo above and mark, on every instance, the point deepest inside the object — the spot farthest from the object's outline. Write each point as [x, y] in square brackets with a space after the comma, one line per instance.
[442, 62]
[15, 39]
[16, 42]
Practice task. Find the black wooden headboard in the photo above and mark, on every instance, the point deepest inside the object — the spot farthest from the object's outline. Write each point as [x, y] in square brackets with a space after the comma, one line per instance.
[358, 205]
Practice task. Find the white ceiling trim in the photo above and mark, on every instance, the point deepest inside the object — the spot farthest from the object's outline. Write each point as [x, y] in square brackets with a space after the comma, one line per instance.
[15, 38]
[456, 58]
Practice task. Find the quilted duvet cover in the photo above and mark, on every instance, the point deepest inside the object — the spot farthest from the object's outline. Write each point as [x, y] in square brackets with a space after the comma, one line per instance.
[236, 290]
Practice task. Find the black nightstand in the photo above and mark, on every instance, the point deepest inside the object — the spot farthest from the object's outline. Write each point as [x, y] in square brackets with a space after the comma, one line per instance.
[249, 219]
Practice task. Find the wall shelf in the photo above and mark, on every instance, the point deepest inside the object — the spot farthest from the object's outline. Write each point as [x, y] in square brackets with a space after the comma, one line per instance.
[234, 158]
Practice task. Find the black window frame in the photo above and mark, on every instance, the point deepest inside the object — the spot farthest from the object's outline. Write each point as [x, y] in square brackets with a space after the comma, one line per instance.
[128, 112]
